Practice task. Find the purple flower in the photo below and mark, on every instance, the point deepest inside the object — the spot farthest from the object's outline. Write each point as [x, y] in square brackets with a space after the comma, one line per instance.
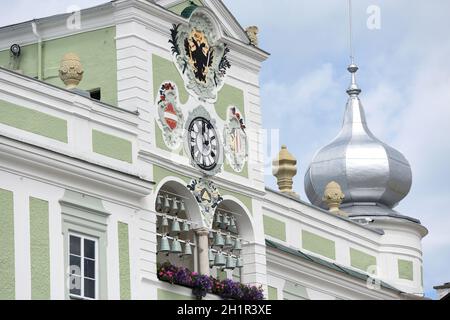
[202, 284]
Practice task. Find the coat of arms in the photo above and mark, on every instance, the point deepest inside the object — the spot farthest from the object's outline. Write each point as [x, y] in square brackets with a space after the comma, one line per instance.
[170, 116]
[235, 140]
[199, 55]
[208, 198]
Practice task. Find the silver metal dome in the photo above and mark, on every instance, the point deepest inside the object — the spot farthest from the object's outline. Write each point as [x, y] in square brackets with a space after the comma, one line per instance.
[373, 176]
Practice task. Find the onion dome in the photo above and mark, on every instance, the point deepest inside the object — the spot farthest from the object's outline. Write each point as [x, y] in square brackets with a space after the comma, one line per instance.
[374, 177]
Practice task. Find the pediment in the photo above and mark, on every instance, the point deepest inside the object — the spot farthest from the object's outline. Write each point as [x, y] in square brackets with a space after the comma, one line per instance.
[229, 26]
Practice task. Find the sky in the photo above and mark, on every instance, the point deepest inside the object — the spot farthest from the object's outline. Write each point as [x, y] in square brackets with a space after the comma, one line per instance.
[404, 74]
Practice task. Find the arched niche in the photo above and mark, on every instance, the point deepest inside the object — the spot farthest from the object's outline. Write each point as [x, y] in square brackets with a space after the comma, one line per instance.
[178, 187]
[244, 230]
[175, 189]
[243, 217]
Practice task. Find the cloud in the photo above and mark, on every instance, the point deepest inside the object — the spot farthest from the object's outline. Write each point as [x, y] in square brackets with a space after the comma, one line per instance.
[25, 10]
[405, 77]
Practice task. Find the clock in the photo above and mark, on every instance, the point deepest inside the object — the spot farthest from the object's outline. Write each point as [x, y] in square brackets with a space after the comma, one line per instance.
[204, 144]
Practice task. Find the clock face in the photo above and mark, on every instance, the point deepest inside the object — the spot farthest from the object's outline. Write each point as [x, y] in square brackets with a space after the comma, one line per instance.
[203, 144]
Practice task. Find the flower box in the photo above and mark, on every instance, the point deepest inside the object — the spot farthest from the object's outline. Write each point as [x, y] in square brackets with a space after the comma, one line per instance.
[201, 285]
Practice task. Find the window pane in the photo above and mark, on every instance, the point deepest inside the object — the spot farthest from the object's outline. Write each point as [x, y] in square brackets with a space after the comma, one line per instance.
[89, 249]
[75, 245]
[75, 265]
[89, 288]
[89, 268]
[75, 285]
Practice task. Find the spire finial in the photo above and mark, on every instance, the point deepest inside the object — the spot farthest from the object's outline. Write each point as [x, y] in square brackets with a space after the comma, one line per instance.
[353, 90]
[352, 68]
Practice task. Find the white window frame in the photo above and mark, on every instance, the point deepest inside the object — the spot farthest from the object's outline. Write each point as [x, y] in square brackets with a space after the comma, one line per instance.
[96, 279]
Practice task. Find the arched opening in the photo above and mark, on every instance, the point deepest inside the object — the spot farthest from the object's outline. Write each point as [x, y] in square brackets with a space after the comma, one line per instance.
[232, 230]
[178, 216]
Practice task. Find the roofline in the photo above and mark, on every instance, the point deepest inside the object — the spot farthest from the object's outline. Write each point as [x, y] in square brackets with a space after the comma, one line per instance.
[444, 286]
[375, 230]
[20, 75]
[316, 260]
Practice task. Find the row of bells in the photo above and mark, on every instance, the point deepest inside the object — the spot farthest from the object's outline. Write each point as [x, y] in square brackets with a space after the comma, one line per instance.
[175, 227]
[163, 205]
[228, 242]
[215, 259]
[225, 222]
[175, 248]
[229, 262]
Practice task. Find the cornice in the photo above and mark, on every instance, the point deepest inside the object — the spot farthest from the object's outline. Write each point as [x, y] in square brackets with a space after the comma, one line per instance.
[60, 95]
[297, 265]
[188, 171]
[47, 160]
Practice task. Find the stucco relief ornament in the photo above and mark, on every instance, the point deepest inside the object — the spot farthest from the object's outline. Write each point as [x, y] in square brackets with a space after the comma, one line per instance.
[170, 116]
[199, 55]
[208, 198]
[235, 140]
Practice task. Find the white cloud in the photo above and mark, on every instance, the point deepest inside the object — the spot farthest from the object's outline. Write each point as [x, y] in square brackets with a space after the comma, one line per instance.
[405, 77]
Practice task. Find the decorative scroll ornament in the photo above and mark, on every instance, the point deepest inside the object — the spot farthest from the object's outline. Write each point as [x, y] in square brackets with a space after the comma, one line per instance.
[171, 118]
[208, 198]
[235, 140]
[199, 56]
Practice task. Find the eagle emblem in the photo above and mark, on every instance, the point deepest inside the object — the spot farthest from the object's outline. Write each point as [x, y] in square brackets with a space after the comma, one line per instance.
[199, 55]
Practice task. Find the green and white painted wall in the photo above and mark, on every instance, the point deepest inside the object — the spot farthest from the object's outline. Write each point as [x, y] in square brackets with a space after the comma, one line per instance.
[72, 164]
[97, 52]
[338, 241]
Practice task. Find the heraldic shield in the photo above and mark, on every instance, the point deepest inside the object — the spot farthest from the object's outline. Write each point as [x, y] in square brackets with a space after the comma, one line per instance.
[170, 116]
[235, 140]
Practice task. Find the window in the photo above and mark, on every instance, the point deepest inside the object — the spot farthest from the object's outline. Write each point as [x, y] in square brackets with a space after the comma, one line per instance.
[95, 94]
[83, 267]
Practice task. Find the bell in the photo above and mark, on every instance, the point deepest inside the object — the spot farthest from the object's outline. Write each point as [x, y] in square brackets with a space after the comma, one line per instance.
[230, 265]
[182, 207]
[225, 222]
[228, 241]
[233, 227]
[239, 263]
[237, 245]
[219, 261]
[218, 240]
[174, 209]
[166, 207]
[211, 236]
[218, 220]
[165, 222]
[175, 226]
[187, 249]
[176, 246]
[164, 246]
[211, 255]
[158, 203]
[185, 227]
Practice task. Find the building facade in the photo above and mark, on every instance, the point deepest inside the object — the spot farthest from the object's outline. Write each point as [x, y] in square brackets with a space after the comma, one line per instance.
[131, 136]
